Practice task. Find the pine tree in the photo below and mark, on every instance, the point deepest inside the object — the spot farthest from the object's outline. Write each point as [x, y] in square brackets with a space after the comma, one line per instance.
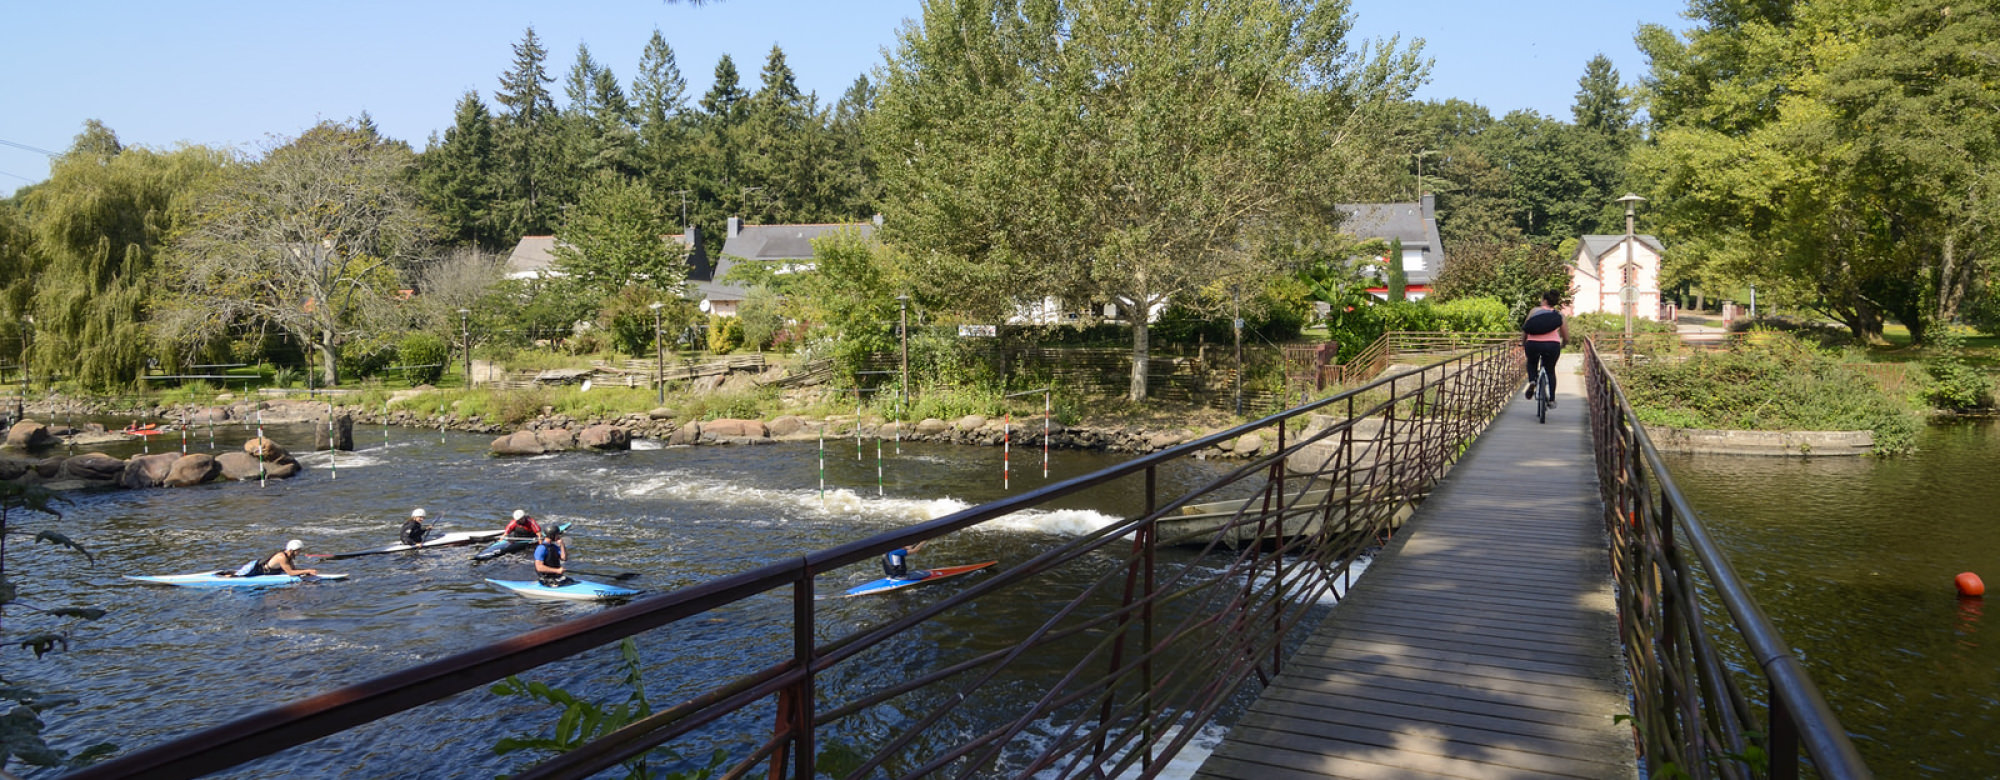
[524, 90]
[531, 161]
[1602, 105]
[659, 92]
[455, 177]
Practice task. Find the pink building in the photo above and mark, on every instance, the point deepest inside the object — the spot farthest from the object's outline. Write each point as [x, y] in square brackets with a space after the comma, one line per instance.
[1605, 264]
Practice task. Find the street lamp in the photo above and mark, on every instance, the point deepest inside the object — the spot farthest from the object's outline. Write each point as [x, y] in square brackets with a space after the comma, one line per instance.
[465, 333]
[903, 334]
[1236, 325]
[21, 404]
[1629, 293]
[659, 355]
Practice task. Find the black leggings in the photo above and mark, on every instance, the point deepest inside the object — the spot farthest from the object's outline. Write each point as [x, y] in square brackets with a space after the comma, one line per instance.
[1543, 353]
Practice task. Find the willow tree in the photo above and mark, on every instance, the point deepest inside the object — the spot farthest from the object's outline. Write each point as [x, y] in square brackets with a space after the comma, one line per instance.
[1117, 151]
[97, 229]
[314, 240]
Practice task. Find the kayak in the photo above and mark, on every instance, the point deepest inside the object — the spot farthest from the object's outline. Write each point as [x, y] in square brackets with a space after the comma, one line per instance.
[228, 579]
[576, 590]
[149, 430]
[446, 540]
[914, 578]
[503, 546]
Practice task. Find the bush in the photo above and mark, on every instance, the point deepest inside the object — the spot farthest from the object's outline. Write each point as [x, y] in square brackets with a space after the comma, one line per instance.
[1954, 386]
[725, 334]
[1475, 315]
[426, 350]
[1776, 385]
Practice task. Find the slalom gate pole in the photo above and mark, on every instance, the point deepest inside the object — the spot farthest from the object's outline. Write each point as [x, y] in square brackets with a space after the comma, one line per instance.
[1006, 449]
[332, 447]
[1046, 404]
[822, 463]
[184, 430]
[878, 467]
[440, 424]
[857, 423]
[211, 429]
[69, 421]
[385, 425]
[263, 447]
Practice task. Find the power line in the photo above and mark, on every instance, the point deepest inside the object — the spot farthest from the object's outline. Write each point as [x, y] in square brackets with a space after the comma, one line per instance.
[25, 147]
[19, 176]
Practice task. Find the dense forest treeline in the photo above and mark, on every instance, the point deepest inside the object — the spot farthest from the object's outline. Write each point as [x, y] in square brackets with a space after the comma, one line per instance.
[1838, 154]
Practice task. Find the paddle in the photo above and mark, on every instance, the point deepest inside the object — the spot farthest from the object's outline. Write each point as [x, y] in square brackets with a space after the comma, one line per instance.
[611, 575]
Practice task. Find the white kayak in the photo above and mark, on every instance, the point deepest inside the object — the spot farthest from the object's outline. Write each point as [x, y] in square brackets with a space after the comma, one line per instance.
[228, 579]
[574, 590]
[446, 540]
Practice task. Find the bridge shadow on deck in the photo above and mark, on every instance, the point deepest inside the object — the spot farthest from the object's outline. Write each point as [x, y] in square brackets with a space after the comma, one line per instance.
[1482, 643]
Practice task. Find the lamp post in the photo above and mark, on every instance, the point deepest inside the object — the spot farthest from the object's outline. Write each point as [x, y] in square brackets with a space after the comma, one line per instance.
[1236, 323]
[1629, 293]
[21, 404]
[903, 336]
[659, 356]
[465, 335]
[1753, 300]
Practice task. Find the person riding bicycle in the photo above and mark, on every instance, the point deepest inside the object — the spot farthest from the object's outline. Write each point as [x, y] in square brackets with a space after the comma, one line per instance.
[1542, 337]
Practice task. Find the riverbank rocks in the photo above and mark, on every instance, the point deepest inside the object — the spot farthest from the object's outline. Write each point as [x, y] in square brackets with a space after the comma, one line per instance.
[605, 437]
[970, 422]
[93, 467]
[787, 425]
[726, 428]
[30, 435]
[931, 426]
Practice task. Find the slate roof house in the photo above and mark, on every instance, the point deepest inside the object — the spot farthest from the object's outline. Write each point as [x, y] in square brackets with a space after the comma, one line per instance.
[534, 256]
[1415, 224]
[785, 246]
[1598, 271]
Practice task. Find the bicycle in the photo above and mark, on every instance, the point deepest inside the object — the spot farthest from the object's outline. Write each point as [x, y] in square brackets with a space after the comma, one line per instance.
[1545, 390]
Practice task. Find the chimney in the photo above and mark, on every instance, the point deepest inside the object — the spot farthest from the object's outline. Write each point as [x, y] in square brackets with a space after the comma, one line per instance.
[692, 236]
[1430, 205]
[878, 219]
[735, 228]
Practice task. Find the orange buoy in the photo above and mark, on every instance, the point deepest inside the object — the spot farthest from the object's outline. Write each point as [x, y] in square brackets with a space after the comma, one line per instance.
[1969, 584]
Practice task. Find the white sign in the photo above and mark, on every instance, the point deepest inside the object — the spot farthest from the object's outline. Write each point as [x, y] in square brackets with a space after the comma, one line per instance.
[1628, 295]
[978, 331]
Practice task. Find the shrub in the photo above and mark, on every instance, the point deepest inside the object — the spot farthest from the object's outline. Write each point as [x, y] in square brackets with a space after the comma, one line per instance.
[1954, 386]
[1776, 385]
[1475, 315]
[725, 334]
[425, 350]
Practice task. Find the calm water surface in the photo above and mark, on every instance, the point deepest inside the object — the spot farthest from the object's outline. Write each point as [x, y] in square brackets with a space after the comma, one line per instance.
[1854, 559]
[168, 661]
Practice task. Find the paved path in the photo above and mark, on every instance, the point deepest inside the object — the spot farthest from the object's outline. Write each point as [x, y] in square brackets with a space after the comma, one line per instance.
[1481, 644]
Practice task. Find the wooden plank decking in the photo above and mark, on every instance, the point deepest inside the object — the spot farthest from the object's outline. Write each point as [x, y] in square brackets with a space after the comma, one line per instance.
[1481, 644]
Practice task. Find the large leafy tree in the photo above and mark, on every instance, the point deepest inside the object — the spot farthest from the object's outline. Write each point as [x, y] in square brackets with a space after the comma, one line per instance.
[1839, 153]
[1128, 152]
[314, 240]
[89, 265]
[615, 236]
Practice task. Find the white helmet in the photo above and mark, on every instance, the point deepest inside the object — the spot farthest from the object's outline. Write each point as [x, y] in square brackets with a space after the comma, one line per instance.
[294, 546]
[417, 512]
[520, 513]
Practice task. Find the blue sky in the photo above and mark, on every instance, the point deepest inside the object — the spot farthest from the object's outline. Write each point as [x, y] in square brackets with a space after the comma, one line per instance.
[241, 73]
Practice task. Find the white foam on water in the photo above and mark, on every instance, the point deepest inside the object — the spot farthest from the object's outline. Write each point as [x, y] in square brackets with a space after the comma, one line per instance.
[648, 444]
[848, 503]
[343, 460]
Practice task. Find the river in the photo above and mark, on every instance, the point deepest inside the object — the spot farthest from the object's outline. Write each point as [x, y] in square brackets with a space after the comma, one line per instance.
[167, 661]
[1853, 559]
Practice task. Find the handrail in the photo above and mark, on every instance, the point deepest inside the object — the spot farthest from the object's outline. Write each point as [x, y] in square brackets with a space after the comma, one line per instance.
[1691, 712]
[1161, 645]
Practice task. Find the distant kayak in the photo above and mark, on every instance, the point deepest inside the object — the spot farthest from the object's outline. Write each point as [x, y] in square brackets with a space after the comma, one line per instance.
[576, 590]
[914, 578]
[446, 540]
[142, 430]
[503, 546]
[228, 579]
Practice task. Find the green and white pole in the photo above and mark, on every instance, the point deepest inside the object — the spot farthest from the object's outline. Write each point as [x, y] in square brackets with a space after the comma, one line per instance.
[822, 463]
[263, 448]
[332, 448]
[878, 467]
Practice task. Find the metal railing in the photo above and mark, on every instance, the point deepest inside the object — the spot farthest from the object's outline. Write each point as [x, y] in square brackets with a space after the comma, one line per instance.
[1690, 709]
[1153, 640]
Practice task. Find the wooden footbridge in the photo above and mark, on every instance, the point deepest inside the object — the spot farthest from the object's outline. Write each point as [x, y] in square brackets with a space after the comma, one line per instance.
[1530, 584]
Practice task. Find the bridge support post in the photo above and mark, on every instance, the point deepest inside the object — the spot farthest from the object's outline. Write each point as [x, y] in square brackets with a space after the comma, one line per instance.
[795, 702]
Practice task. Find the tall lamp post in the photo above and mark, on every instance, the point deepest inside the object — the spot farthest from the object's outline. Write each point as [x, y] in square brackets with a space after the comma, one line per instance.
[903, 336]
[659, 356]
[1236, 325]
[465, 336]
[21, 404]
[1628, 294]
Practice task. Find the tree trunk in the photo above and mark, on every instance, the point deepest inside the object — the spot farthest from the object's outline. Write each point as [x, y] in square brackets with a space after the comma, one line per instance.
[1139, 351]
[329, 366]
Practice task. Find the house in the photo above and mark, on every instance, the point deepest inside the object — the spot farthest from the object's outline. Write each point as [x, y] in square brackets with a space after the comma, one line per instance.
[785, 247]
[534, 256]
[1415, 224]
[1605, 264]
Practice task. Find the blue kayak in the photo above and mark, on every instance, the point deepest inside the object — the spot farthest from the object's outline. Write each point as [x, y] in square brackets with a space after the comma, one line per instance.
[914, 578]
[228, 579]
[575, 590]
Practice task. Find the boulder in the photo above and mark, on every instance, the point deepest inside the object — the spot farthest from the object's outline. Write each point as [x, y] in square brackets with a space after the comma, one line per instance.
[145, 471]
[1247, 445]
[30, 435]
[735, 429]
[557, 440]
[1163, 439]
[786, 425]
[931, 426]
[208, 415]
[605, 437]
[687, 434]
[662, 413]
[265, 449]
[48, 468]
[192, 469]
[518, 443]
[971, 422]
[338, 435]
[11, 469]
[93, 467]
[284, 468]
[238, 465]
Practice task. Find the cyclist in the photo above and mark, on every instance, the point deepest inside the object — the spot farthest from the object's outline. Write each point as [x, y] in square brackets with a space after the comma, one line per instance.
[1542, 337]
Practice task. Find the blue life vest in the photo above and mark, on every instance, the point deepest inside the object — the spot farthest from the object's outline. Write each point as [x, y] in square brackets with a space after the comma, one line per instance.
[550, 555]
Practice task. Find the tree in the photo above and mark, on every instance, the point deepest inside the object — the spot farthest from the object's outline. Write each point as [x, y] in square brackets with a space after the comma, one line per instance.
[1603, 105]
[615, 236]
[1398, 280]
[312, 240]
[99, 226]
[1120, 152]
[659, 92]
[456, 176]
[525, 142]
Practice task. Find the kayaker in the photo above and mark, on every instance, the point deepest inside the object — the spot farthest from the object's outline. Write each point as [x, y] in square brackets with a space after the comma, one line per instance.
[523, 526]
[896, 563]
[280, 563]
[550, 556]
[414, 530]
